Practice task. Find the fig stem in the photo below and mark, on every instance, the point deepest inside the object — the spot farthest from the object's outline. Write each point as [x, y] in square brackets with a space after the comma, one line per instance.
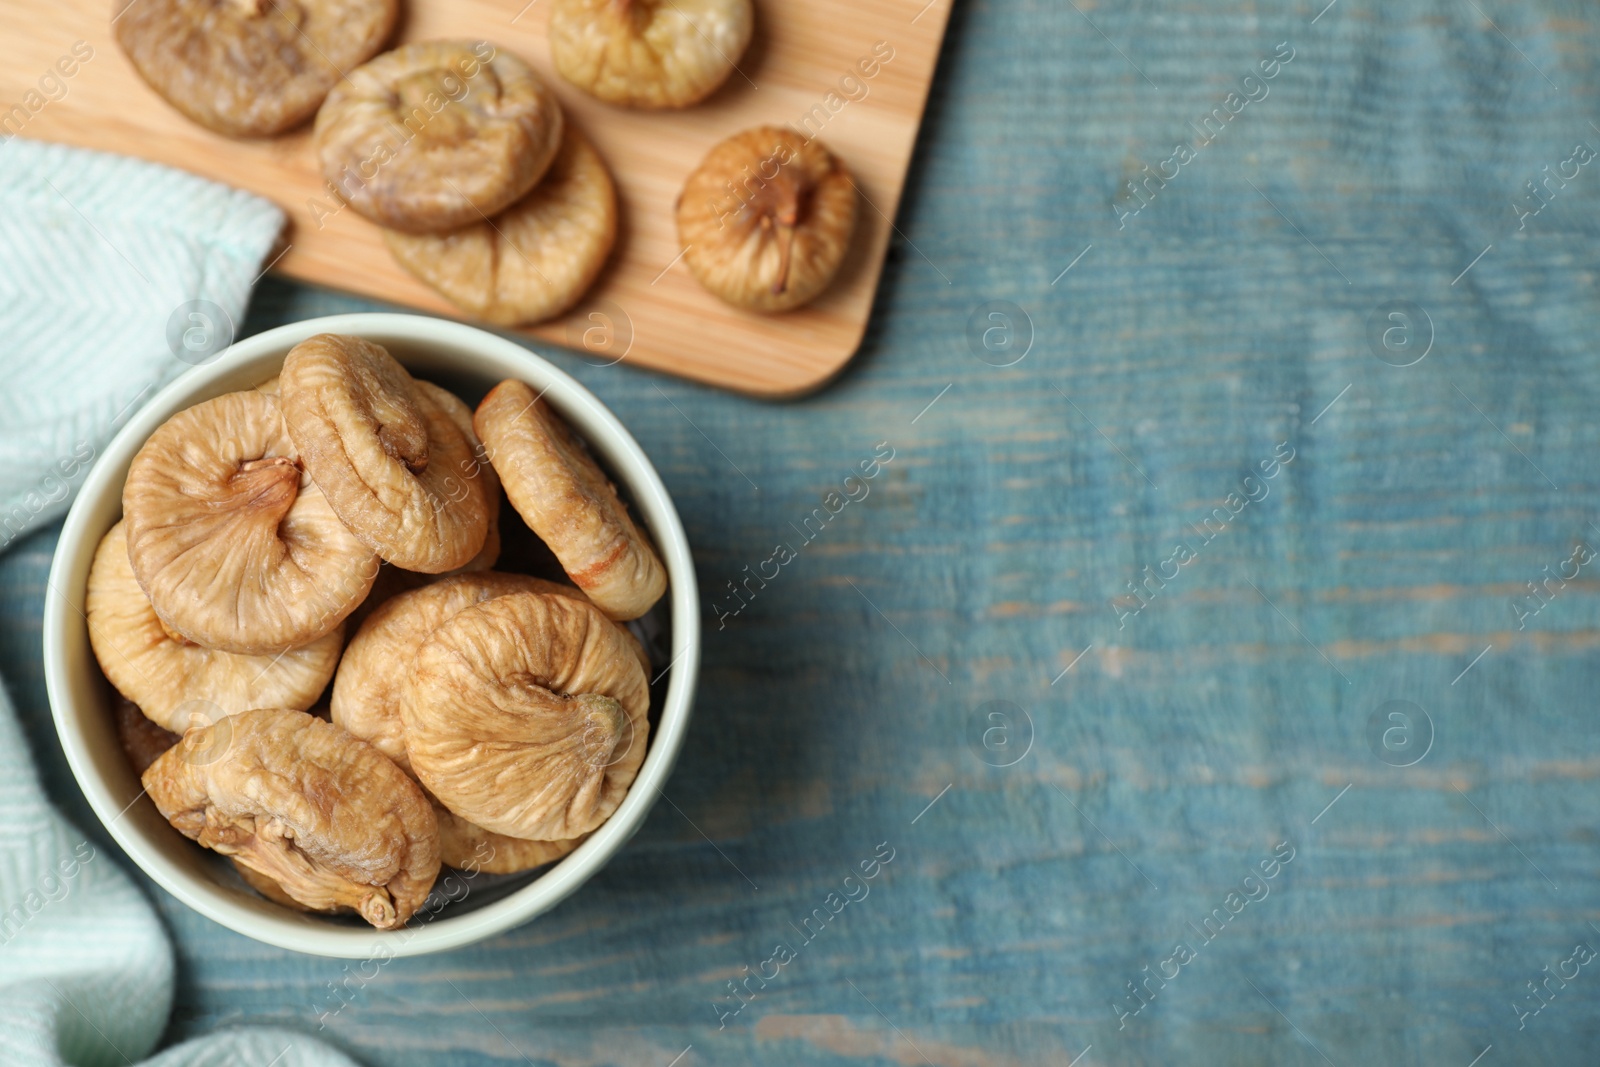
[779, 205]
[785, 248]
[270, 484]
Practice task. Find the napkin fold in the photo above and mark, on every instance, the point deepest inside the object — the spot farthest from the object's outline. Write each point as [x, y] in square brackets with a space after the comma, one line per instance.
[115, 276]
[86, 970]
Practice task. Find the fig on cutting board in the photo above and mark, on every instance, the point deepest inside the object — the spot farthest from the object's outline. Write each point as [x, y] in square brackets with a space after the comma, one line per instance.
[564, 496]
[649, 53]
[325, 816]
[393, 465]
[170, 677]
[537, 257]
[231, 540]
[437, 135]
[766, 219]
[526, 715]
[249, 68]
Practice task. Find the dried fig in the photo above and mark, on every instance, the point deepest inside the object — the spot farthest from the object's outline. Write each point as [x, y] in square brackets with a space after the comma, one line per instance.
[275, 892]
[566, 499]
[142, 740]
[388, 458]
[249, 68]
[232, 542]
[766, 219]
[480, 468]
[649, 53]
[537, 257]
[370, 687]
[324, 815]
[390, 583]
[468, 847]
[438, 135]
[165, 674]
[371, 681]
[526, 715]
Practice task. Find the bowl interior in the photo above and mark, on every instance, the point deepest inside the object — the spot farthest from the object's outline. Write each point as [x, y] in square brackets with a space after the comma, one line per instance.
[465, 906]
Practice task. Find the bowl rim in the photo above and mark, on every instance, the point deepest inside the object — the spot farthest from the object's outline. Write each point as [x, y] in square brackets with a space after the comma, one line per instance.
[311, 935]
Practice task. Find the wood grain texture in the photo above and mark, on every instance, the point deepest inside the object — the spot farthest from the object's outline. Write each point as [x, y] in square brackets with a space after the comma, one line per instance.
[652, 311]
[1183, 746]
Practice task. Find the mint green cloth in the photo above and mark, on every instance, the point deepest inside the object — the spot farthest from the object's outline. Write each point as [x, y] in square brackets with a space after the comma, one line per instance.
[114, 276]
[96, 251]
[86, 970]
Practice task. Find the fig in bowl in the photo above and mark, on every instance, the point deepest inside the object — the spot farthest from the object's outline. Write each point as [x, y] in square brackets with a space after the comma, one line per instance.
[596, 742]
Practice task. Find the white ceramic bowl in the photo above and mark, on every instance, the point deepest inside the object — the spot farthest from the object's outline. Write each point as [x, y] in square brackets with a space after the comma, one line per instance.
[456, 355]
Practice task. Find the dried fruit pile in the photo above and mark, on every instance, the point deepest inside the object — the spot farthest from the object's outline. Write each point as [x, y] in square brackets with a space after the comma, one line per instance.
[476, 718]
[458, 150]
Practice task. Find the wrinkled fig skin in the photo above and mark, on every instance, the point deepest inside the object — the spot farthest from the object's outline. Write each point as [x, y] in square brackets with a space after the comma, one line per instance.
[437, 135]
[232, 542]
[472, 848]
[275, 892]
[170, 677]
[766, 219]
[389, 460]
[324, 815]
[480, 468]
[649, 53]
[371, 682]
[537, 257]
[249, 68]
[526, 715]
[567, 500]
[371, 686]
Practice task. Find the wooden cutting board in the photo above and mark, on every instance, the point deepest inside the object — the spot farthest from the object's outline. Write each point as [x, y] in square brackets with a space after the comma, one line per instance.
[646, 308]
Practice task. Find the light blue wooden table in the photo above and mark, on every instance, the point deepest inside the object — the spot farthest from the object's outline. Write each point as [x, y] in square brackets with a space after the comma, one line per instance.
[1218, 769]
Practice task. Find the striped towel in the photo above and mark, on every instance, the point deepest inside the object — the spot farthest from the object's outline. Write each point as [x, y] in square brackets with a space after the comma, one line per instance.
[97, 253]
[116, 275]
